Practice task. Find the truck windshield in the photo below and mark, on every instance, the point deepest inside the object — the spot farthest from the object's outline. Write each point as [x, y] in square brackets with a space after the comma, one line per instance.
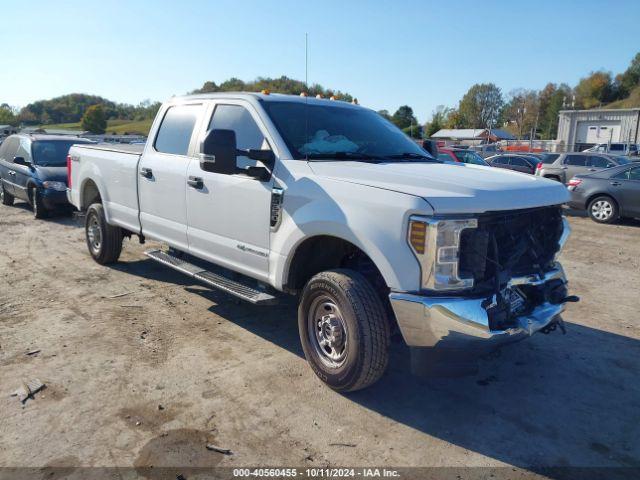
[51, 153]
[335, 132]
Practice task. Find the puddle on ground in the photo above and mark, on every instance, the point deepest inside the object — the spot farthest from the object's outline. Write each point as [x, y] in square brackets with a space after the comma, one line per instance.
[176, 452]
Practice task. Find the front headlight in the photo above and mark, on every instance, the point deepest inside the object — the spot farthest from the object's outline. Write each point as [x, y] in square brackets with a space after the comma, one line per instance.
[57, 186]
[435, 243]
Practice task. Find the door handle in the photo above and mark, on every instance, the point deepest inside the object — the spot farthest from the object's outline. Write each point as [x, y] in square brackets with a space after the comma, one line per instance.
[12, 172]
[195, 182]
[146, 172]
[616, 184]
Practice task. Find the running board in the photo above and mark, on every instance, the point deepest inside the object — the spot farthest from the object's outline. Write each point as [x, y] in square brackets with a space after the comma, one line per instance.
[220, 282]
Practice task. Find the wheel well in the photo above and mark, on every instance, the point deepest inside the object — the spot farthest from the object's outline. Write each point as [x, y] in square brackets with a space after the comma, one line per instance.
[317, 254]
[90, 194]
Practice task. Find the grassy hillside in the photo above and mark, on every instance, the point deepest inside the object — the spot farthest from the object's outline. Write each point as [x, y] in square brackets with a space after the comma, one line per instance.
[632, 101]
[117, 126]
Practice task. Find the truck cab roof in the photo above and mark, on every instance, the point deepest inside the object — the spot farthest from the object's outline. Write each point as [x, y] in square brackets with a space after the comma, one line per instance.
[264, 97]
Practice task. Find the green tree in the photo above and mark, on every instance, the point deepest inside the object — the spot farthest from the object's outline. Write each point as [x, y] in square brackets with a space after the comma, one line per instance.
[594, 90]
[7, 117]
[481, 106]
[404, 117]
[521, 112]
[414, 131]
[552, 98]
[385, 114]
[630, 79]
[438, 120]
[94, 119]
[282, 84]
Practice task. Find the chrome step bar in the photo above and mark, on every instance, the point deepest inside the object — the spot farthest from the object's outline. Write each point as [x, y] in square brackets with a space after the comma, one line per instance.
[207, 277]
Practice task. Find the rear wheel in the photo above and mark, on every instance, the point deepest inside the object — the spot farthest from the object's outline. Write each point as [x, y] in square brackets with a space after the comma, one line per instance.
[103, 240]
[603, 209]
[7, 199]
[344, 330]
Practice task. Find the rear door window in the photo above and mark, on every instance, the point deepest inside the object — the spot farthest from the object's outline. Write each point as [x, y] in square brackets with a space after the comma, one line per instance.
[599, 162]
[174, 134]
[519, 162]
[634, 173]
[501, 160]
[576, 160]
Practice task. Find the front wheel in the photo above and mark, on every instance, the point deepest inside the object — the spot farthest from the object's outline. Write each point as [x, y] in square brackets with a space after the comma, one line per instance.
[39, 210]
[103, 240]
[344, 330]
[603, 209]
[7, 199]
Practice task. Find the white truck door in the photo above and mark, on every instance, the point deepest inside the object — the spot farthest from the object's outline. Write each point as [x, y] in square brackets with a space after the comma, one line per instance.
[229, 215]
[163, 176]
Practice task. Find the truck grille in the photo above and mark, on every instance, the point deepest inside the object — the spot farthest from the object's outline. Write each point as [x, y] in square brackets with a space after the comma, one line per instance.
[510, 244]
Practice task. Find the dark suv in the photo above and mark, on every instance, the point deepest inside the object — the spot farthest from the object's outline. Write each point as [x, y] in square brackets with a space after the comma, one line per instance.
[34, 168]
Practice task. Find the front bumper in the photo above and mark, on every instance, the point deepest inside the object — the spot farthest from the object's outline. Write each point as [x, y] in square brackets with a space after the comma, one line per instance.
[462, 324]
[54, 198]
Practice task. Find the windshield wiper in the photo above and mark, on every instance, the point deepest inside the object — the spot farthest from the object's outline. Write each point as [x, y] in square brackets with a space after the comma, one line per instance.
[364, 157]
[412, 156]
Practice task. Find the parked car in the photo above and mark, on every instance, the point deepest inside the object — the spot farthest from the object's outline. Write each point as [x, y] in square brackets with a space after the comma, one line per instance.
[33, 168]
[624, 149]
[567, 165]
[518, 163]
[609, 194]
[461, 156]
[264, 195]
[486, 151]
[544, 157]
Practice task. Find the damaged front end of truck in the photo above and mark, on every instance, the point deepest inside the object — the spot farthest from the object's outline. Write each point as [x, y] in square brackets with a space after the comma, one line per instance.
[487, 280]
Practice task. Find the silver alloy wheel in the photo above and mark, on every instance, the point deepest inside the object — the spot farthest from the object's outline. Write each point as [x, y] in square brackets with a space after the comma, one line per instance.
[602, 210]
[327, 331]
[94, 234]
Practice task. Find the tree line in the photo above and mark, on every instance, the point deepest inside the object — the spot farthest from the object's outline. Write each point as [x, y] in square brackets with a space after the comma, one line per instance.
[484, 105]
[526, 113]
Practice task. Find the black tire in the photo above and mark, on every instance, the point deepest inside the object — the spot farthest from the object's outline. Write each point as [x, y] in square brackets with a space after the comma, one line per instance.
[7, 199]
[39, 210]
[352, 312]
[104, 241]
[603, 209]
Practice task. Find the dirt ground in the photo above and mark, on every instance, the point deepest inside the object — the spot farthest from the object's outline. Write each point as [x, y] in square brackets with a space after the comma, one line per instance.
[143, 368]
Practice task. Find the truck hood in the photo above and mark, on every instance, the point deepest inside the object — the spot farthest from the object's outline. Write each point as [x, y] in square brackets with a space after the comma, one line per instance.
[458, 188]
[54, 174]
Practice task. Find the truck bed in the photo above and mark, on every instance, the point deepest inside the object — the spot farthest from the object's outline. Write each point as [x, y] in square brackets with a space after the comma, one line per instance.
[113, 170]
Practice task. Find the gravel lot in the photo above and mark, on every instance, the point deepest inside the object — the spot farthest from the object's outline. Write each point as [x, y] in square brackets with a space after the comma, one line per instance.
[144, 367]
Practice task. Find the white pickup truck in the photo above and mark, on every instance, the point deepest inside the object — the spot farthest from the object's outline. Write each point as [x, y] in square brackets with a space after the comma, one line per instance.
[263, 195]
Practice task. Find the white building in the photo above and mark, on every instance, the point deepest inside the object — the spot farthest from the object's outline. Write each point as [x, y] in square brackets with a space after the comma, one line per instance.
[580, 129]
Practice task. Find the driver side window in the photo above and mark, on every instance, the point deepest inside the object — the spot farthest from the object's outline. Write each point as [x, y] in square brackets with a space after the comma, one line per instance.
[248, 134]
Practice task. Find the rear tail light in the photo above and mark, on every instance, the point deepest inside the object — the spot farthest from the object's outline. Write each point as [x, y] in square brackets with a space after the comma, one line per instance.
[539, 166]
[69, 171]
[574, 182]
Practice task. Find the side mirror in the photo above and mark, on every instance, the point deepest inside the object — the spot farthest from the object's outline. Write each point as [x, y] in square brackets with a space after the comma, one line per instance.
[218, 152]
[21, 161]
[431, 146]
